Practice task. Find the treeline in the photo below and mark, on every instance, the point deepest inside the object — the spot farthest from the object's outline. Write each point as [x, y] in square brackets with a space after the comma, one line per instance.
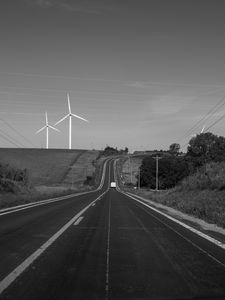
[203, 148]
[109, 151]
[13, 180]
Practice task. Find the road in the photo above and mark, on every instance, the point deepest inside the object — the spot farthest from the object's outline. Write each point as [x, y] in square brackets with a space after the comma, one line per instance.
[105, 245]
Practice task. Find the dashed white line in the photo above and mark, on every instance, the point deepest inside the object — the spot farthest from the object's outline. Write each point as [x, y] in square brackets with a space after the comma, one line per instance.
[78, 221]
[10, 278]
[27, 262]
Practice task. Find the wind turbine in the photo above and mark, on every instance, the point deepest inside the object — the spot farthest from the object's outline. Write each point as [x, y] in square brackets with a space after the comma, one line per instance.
[70, 115]
[47, 126]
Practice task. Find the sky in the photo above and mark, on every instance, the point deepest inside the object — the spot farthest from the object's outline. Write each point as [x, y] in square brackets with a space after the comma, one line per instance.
[143, 72]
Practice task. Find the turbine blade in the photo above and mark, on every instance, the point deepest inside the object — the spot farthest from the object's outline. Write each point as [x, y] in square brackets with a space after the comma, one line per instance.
[61, 120]
[40, 129]
[53, 128]
[79, 117]
[68, 97]
[46, 118]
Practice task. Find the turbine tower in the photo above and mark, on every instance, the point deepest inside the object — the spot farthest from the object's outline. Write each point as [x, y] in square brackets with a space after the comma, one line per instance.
[47, 126]
[70, 115]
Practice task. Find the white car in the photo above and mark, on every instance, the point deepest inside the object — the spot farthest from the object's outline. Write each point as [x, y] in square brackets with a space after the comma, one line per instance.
[113, 184]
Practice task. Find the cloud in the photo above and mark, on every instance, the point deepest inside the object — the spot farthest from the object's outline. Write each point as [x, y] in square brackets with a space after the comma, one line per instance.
[82, 6]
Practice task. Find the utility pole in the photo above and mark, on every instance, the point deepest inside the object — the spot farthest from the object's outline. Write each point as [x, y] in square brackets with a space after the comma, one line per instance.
[131, 171]
[157, 172]
[72, 179]
[139, 178]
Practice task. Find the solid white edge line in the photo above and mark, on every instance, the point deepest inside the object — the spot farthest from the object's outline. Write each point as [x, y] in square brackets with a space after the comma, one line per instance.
[28, 261]
[185, 238]
[201, 234]
[13, 209]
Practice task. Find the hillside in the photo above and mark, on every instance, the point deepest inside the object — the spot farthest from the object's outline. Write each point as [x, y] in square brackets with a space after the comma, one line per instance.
[130, 168]
[45, 166]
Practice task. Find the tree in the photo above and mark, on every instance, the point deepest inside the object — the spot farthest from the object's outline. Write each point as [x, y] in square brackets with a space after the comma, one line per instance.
[206, 147]
[108, 151]
[171, 171]
[174, 148]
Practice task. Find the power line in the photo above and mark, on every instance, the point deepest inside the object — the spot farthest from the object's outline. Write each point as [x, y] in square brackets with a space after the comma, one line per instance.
[213, 124]
[216, 122]
[20, 134]
[214, 109]
[6, 137]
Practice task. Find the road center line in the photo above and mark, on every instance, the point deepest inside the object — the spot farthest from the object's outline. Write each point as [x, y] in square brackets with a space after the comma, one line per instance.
[78, 220]
[107, 259]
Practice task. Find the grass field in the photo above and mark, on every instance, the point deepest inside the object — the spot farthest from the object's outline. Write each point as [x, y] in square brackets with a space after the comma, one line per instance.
[81, 168]
[52, 172]
[44, 166]
[130, 168]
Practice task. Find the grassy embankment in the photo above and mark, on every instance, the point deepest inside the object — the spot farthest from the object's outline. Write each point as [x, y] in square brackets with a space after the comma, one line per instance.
[201, 195]
[50, 172]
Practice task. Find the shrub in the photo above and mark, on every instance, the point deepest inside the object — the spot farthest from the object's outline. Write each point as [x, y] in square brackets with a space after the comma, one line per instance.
[13, 180]
[171, 171]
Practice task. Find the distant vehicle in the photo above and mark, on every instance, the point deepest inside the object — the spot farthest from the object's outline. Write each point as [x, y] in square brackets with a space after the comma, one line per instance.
[113, 184]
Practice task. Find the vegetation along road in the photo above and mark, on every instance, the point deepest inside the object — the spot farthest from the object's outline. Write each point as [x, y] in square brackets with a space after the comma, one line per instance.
[105, 244]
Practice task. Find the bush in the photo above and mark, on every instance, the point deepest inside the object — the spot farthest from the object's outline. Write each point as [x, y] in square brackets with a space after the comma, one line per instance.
[208, 177]
[89, 180]
[171, 171]
[13, 180]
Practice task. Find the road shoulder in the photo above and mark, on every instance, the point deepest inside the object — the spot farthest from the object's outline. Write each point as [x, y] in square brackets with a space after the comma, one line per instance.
[209, 229]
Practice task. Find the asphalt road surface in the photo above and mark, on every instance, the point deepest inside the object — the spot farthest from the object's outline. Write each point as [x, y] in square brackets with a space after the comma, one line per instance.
[105, 245]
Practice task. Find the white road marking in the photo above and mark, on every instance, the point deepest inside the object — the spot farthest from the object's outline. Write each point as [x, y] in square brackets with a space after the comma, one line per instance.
[216, 242]
[203, 235]
[93, 204]
[107, 253]
[39, 203]
[10, 278]
[27, 262]
[79, 220]
[199, 233]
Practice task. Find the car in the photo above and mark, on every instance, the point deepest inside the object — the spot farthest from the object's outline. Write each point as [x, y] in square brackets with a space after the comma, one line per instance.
[113, 184]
